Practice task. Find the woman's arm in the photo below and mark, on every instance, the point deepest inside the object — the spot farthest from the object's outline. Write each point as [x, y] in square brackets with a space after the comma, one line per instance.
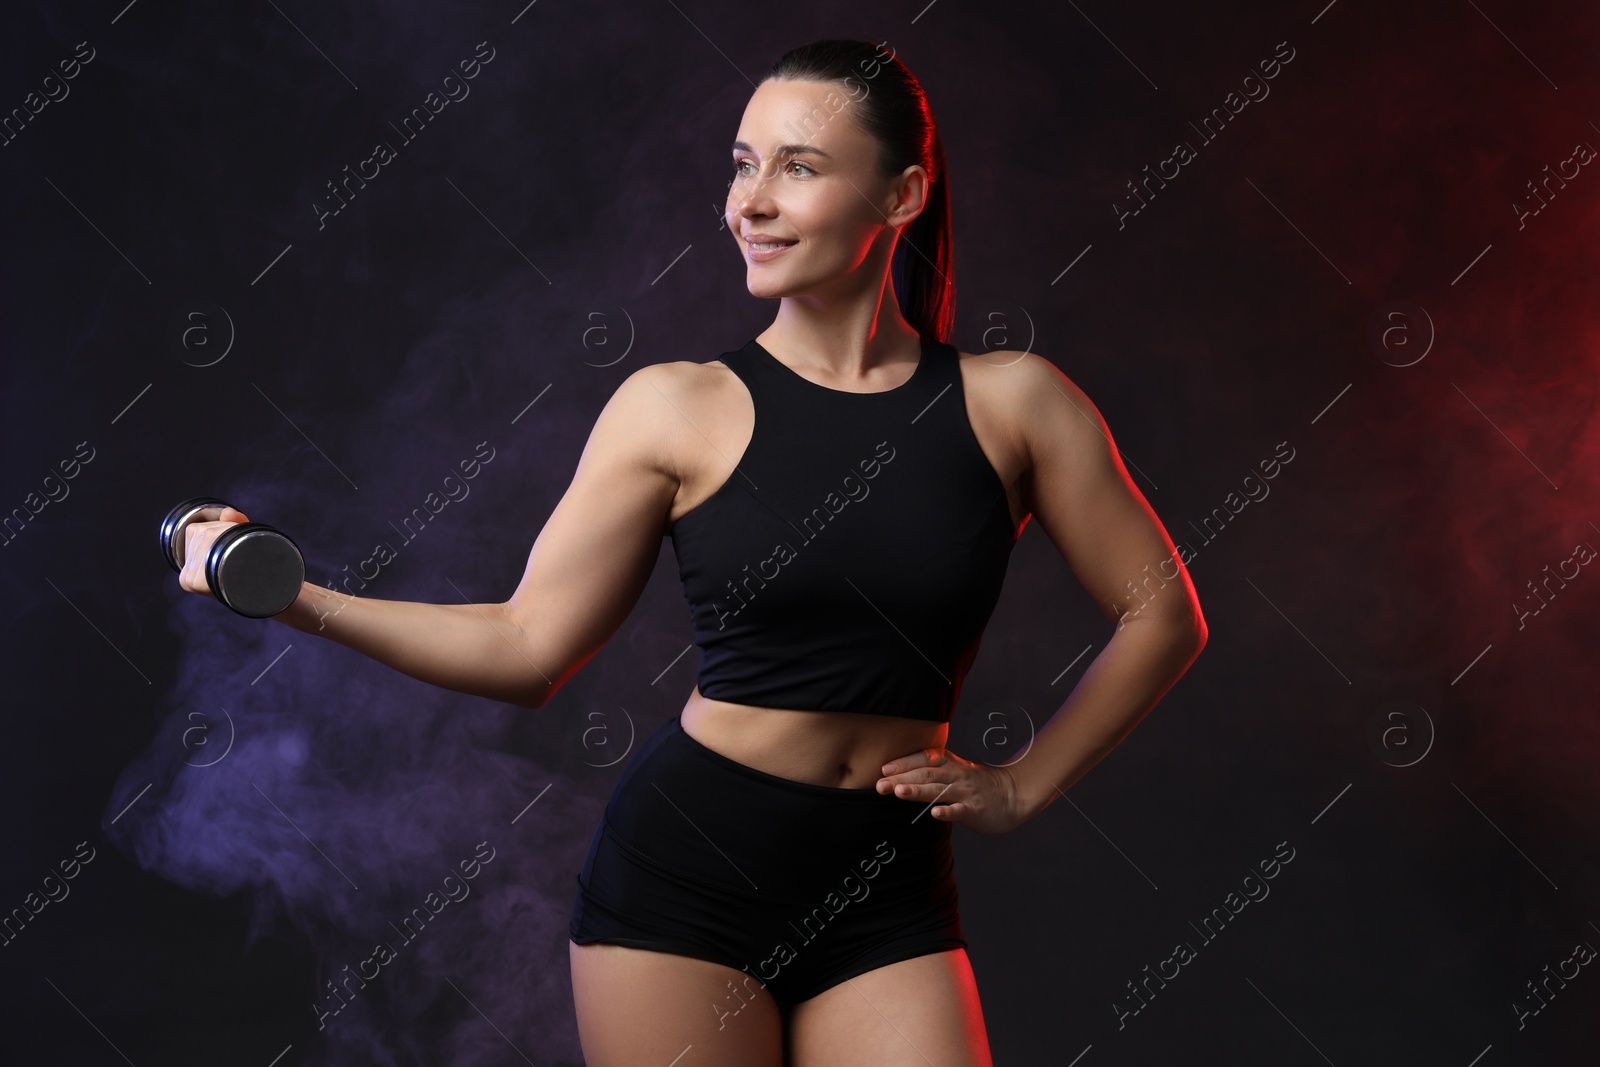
[1083, 499]
[584, 574]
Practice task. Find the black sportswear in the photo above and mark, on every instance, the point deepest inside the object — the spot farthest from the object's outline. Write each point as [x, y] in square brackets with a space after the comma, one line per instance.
[855, 555]
[799, 886]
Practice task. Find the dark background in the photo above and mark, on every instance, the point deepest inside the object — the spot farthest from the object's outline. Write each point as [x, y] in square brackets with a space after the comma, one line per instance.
[1343, 269]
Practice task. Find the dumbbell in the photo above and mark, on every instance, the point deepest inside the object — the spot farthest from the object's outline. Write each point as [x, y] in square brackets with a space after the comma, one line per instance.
[252, 568]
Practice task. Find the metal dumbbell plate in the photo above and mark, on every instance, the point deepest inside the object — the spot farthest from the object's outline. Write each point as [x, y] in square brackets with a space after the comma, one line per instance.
[255, 570]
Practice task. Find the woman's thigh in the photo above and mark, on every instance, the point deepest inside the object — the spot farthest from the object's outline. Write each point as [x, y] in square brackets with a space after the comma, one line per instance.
[913, 1013]
[638, 1006]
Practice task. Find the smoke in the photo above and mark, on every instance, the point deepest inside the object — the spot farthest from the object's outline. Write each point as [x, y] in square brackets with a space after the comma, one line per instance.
[411, 386]
[360, 812]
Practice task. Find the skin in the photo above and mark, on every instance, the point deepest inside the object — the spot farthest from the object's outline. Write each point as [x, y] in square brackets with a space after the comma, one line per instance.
[661, 446]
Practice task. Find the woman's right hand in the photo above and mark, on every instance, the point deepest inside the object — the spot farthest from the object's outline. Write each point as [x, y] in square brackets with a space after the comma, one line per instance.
[198, 536]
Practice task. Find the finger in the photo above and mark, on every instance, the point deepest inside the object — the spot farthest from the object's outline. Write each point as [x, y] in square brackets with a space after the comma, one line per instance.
[224, 513]
[191, 534]
[927, 757]
[904, 763]
[192, 576]
[922, 792]
[194, 579]
[920, 775]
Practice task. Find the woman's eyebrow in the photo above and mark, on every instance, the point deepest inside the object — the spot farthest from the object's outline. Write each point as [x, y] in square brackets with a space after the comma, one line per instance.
[786, 149]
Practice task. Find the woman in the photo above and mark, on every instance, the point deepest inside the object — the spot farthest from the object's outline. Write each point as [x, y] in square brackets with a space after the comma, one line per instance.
[773, 880]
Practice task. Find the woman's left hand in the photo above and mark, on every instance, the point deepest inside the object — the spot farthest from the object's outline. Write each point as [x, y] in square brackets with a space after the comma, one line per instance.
[974, 794]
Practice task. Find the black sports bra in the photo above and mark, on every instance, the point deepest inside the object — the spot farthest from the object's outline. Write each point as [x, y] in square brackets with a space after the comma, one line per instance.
[853, 558]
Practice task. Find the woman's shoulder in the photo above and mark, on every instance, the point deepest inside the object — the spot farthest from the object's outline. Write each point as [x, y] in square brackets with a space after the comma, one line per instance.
[1014, 397]
[679, 379]
[681, 404]
[1010, 385]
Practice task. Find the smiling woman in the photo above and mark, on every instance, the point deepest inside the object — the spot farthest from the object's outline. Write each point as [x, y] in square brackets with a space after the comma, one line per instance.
[871, 107]
[816, 731]
[795, 741]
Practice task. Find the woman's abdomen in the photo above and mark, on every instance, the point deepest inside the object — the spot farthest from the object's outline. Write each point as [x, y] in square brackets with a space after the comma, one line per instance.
[829, 748]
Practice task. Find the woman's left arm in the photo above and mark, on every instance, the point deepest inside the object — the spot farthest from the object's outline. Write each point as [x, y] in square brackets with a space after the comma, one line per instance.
[1077, 488]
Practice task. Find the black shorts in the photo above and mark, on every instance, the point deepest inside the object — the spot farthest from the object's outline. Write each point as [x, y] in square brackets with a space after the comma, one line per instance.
[800, 886]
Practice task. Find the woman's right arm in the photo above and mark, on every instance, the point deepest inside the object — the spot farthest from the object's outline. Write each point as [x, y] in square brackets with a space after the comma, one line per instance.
[584, 574]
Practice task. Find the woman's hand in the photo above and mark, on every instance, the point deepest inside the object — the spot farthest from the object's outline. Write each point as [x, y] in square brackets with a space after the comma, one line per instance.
[973, 794]
[198, 535]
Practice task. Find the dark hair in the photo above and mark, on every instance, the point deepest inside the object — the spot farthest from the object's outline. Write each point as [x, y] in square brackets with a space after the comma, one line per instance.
[890, 105]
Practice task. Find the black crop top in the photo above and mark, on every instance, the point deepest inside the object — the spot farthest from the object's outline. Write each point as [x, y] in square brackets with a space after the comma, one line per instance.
[853, 558]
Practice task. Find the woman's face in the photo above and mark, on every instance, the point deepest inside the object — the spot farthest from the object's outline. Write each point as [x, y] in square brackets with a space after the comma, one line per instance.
[805, 175]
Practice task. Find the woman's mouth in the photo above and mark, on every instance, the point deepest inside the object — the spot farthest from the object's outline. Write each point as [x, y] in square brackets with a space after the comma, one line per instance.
[763, 251]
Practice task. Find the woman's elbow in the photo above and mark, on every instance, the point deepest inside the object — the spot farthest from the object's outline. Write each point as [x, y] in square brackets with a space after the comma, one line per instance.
[527, 662]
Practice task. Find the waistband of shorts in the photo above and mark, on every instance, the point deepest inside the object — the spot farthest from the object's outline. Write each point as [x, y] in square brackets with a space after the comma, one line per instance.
[863, 796]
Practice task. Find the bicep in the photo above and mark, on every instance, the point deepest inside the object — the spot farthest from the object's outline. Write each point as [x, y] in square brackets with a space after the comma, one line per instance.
[1084, 500]
[591, 560]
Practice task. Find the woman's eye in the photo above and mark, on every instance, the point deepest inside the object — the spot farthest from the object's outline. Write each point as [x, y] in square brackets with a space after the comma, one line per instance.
[740, 164]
